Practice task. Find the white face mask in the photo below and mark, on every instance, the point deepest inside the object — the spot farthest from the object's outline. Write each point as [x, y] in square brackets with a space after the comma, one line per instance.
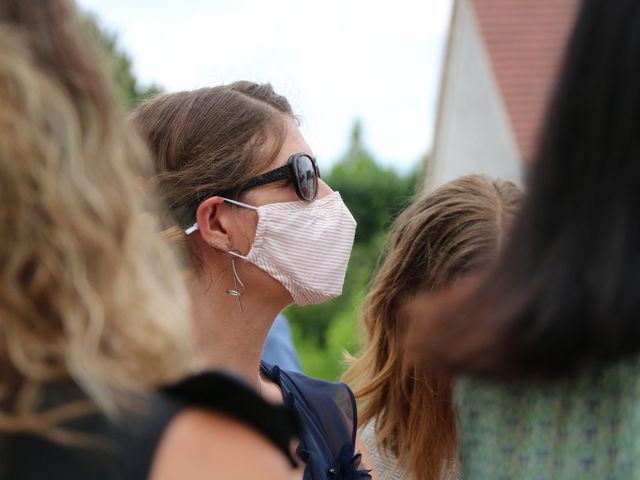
[304, 245]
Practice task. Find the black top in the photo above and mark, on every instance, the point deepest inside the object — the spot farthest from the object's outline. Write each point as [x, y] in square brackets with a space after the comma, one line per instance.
[124, 450]
[327, 412]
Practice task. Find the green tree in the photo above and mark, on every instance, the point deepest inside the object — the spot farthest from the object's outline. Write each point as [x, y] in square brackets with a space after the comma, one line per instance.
[119, 63]
[374, 194]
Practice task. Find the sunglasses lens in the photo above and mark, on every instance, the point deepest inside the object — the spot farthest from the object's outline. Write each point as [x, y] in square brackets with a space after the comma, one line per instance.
[307, 177]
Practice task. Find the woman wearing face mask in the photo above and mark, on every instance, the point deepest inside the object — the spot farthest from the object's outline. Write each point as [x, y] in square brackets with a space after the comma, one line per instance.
[93, 312]
[263, 231]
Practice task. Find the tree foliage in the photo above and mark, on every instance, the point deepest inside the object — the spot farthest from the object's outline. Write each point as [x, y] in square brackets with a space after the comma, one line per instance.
[119, 63]
[374, 195]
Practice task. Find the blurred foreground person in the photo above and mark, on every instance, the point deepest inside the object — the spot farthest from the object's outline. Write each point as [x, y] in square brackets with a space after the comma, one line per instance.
[93, 315]
[554, 328]
[406, 412]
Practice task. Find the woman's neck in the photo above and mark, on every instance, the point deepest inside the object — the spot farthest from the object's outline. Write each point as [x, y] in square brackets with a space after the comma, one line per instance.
[228, 338]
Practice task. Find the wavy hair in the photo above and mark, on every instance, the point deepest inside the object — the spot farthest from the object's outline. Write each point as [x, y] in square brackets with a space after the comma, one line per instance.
[437, 241]
[89, 290]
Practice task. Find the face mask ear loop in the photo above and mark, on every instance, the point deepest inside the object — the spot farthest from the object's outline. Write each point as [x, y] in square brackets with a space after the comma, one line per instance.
[194, 227]
[191, 229]
[238, 287]
[236, 254]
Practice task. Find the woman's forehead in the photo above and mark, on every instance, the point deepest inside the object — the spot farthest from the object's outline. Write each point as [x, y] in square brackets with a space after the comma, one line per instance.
[294, 142]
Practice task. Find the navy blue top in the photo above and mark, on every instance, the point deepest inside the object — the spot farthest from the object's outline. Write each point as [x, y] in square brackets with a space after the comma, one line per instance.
[328, 416]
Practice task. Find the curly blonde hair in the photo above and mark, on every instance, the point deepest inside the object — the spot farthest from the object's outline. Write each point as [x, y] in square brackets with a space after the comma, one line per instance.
[89, 290]
[438, 240]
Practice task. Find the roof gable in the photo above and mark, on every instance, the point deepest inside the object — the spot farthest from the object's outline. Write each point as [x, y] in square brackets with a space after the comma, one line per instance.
[525, 40]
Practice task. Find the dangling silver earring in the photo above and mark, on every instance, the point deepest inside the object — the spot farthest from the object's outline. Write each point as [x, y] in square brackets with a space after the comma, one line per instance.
[238, 286]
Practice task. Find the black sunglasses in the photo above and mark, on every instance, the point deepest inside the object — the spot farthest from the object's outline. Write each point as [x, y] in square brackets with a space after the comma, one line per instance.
[301, 169]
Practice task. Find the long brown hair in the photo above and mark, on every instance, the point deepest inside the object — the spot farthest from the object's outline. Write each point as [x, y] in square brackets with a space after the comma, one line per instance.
[433, 243]
[211, 141]
[89, 291]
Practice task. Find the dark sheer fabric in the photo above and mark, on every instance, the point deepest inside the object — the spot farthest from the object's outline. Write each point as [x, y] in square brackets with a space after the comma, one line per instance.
[328, 417]
[233, 397]
[124, 450]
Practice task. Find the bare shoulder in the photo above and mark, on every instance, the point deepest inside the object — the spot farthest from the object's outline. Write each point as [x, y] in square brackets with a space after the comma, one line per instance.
[200, 444]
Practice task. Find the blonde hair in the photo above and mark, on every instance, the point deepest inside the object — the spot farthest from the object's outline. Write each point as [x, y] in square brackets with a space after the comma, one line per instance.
[433, 243]
[89, 291]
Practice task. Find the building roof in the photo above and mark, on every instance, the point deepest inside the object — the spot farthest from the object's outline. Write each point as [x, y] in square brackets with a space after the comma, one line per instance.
[525, 40]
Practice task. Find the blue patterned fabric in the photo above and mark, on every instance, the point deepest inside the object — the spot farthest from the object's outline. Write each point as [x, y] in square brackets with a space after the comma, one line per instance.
[327, 413]
[587, 427]
[279, 348]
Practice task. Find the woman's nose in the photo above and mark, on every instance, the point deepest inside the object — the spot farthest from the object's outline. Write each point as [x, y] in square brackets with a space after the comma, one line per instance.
[323, 189]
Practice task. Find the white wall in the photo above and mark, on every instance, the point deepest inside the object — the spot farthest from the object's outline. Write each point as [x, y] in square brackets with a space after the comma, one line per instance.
[473, 134]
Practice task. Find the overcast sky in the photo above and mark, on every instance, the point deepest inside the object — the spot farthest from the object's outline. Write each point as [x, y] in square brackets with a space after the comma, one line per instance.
[336, 60]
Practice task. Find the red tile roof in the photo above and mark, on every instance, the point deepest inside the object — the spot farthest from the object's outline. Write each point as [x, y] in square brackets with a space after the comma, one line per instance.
[525, 40]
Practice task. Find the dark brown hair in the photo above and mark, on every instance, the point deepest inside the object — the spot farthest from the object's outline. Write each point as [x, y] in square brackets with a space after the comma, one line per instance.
[567, 291]
[435, 242]
[211, 141]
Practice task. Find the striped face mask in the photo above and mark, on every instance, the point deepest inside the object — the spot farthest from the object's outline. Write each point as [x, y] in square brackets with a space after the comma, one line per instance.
[304, 245]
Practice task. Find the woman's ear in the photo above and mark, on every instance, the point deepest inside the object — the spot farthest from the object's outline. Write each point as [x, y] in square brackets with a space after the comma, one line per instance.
[212, 223]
